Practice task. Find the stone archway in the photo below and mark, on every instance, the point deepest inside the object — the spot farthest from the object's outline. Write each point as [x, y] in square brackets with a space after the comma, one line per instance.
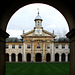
[48, 57]
[56, 57]
[19, 57]
[7, 57]
[65, 7]
[63, 57]
[28, 57]
[13, 56]
[38, 57]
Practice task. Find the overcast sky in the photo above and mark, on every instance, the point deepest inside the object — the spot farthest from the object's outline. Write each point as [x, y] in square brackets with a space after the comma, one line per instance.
[23, 19]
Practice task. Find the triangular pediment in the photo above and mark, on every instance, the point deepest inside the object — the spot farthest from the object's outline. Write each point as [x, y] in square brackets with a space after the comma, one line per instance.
[44, 33]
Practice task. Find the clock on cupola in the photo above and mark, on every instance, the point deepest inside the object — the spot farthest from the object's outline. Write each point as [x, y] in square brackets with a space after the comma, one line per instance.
[38, 24]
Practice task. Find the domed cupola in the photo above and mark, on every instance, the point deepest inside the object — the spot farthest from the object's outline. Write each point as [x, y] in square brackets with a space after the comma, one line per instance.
[38, 17]
[38, 20]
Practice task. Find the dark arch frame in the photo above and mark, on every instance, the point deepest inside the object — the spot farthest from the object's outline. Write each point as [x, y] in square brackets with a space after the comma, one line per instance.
[48, 57]
[7, 57]
[63, 57]
[19, 57]
[57, 57]
[13, 57]
[66, 8]
[28, 57]
[38, 57]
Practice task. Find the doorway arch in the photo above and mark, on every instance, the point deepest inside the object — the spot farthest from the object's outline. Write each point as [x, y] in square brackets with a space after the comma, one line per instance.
[48, 57]
[66, 8]
[56, 57]
[13, 57]
[38, 57]
[63, 57]
[19, 57]
[28, 57]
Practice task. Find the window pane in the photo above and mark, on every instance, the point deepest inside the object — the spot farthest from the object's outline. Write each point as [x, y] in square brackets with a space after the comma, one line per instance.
[48, 46]
[28, 46]
[56, 46]
[38, 46]
[13, 46]
[7, 46]
[63, 46]
[19, 46]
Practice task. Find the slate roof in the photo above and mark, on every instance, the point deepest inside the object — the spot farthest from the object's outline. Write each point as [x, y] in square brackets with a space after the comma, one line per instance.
[13, 39]
[62, 40]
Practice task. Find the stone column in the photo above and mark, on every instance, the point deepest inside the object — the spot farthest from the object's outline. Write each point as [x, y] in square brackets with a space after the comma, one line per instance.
[71, 35]
[16, 57]
[10, 58]
[52, 55]
[24, 52]
[59, 57]
[66, 58]
[43, 54]
[3, 36]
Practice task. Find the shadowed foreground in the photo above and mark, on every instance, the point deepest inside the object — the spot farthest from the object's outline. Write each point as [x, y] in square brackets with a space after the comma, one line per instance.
[37, 69]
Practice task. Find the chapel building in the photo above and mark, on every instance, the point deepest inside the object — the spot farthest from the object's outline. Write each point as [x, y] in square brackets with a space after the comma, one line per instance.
[37, 45]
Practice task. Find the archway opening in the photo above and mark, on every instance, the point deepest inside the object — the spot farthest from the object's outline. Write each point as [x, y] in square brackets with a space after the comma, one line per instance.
[38, 57]
[13, 56]
[48, 57]
[57, 57]
[7, 57]
[28, 57]
[63, 57]
[19, 57]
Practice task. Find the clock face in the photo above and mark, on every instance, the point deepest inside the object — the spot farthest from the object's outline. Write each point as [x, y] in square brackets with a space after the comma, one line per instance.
[38, 31]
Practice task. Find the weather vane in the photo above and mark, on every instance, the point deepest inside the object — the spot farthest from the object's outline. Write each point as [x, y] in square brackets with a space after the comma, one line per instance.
[38, 10]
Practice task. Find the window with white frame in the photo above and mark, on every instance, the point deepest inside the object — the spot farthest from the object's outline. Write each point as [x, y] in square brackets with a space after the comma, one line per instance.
[38, 46]
[56, 46]
[19, 46]
[63, 46]
[48, 46]
[13, 46]
[7, 46]
[28, 46]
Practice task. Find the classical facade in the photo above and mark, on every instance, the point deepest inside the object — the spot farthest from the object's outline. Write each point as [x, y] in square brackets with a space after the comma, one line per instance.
[37, 45]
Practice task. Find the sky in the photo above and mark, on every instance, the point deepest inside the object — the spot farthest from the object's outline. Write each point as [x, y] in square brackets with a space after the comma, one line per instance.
[23, 19]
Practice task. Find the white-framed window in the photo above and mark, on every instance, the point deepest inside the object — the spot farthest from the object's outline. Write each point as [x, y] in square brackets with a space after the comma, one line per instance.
[38, 46]
[28, 46]
[56, 46]
[63, 46]
[48, 46]
[13, 46]
[19, 46]
[7, 46]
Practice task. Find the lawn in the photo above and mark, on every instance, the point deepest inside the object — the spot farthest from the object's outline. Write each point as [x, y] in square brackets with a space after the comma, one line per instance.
[37, 68]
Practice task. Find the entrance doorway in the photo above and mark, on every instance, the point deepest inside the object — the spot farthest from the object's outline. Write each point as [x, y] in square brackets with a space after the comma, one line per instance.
[57, 57]
[20, 57]
[38, 57]
[13, 57]
[28, 57]
[48, 58]
[63, 57]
